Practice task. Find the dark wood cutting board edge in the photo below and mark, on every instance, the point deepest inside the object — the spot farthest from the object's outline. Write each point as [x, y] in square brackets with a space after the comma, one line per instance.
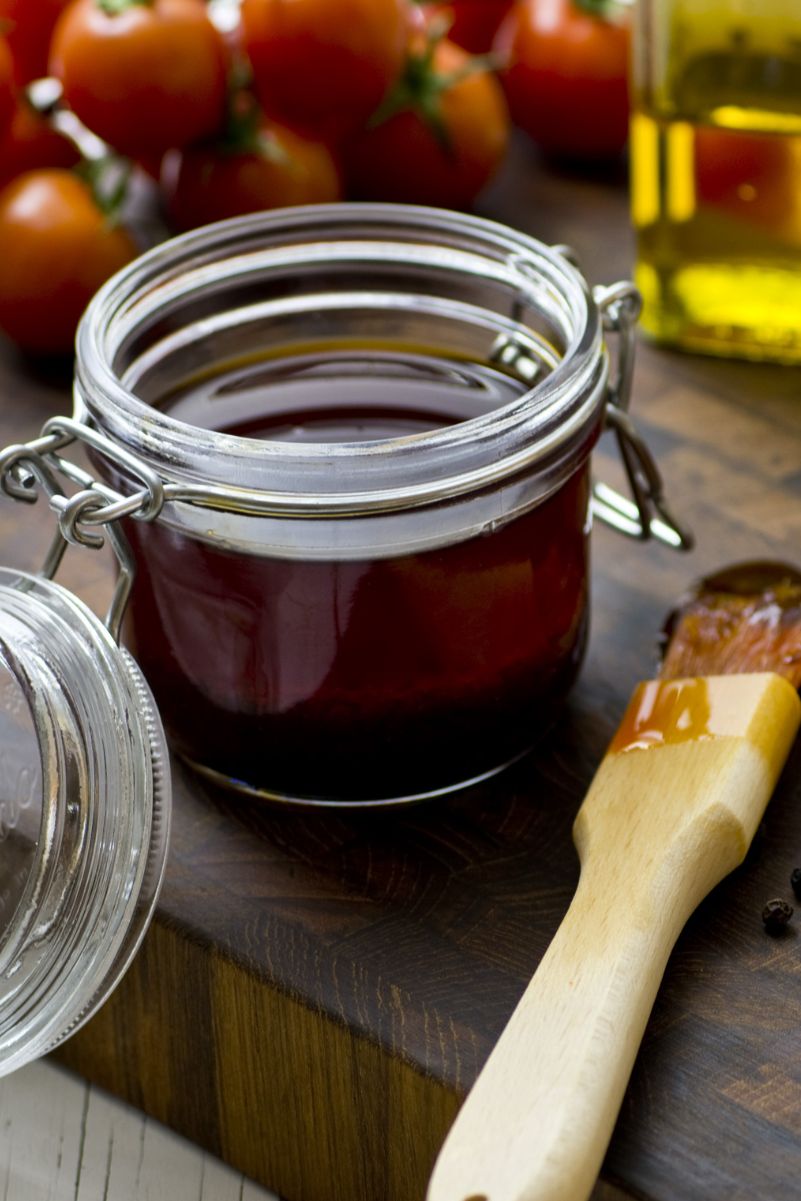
[317, 991]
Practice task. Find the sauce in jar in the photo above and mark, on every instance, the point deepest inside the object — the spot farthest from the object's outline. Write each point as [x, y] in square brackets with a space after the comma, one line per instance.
[328, 677]
[350, 447]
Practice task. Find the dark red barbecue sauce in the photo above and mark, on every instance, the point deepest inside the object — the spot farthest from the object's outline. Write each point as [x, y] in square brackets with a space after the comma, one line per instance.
[371, 679]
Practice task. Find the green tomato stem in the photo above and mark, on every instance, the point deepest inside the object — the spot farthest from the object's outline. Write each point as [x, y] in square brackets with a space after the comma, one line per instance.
[108, 178]
[420, 88]
[244, 132]
[604, 10]
[114, 8]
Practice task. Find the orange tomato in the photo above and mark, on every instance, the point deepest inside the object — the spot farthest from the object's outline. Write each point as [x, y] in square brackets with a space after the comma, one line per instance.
[145, 77]
[324, 65]
[57, 248]
[7, 100]
[209, 183]
[567, 76]
[31, 142]
[444, 145]
[472, 24]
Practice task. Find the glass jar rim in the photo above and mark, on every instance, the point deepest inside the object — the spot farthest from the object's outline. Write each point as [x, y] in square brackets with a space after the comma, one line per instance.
[550, 421]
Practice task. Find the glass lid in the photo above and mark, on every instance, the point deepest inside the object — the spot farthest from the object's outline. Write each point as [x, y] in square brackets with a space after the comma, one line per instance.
[84, 814]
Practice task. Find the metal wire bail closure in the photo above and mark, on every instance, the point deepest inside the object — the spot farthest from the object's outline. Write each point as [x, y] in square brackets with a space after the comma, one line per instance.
[37, 468]
[647, 514]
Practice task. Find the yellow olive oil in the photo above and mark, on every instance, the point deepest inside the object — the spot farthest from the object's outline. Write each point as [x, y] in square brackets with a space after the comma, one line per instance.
[716, 182]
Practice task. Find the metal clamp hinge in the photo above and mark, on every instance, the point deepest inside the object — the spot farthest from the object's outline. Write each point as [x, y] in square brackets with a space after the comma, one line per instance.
[646, 514]
[36, 468]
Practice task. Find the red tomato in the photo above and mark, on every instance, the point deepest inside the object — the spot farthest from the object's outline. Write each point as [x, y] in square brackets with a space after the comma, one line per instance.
[31, 142]
[749, 175]
[324, 65]
[7, 101]
[409, 158]
[28, 27]
[473, 24]
[151, 164]
[145, 78]
[209, 183]
[57, 248]
[567, 77]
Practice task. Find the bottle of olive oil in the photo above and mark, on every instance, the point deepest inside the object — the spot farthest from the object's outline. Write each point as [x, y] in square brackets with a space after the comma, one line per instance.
[716, 174]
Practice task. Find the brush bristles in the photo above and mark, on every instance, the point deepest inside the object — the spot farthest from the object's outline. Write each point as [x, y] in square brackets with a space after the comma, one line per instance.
[722, 633]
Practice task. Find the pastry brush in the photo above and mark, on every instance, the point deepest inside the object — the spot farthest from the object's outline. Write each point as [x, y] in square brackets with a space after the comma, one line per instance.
[672, 809]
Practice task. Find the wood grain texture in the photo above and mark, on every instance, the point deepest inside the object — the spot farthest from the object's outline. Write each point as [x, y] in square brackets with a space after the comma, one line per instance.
[388, 951]
[662, 824]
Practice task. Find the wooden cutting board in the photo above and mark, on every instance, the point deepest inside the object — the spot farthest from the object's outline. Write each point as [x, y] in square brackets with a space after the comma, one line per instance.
[317, 992]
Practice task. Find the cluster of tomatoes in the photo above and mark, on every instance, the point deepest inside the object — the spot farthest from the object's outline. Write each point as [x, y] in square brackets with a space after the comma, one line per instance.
[236, 108]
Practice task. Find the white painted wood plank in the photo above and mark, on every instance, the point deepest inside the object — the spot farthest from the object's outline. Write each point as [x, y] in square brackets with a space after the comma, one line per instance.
[41, 1122]
[62, 1140]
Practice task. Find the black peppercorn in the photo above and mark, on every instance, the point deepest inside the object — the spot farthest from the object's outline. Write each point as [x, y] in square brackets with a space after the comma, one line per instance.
[795, 882]
[776, 915]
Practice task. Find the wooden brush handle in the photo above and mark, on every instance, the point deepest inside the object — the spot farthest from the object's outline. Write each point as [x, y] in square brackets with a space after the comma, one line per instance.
[672, 809]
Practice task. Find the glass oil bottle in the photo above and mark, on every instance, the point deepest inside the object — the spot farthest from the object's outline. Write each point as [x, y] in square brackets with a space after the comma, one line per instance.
[716, 174]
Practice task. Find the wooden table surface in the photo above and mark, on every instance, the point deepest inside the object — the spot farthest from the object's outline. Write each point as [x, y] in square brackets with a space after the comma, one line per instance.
[318, 991]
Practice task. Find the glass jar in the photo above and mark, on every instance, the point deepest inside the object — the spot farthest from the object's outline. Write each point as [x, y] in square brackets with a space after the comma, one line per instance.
[354, 621]
[716, 174]
[84, 814]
